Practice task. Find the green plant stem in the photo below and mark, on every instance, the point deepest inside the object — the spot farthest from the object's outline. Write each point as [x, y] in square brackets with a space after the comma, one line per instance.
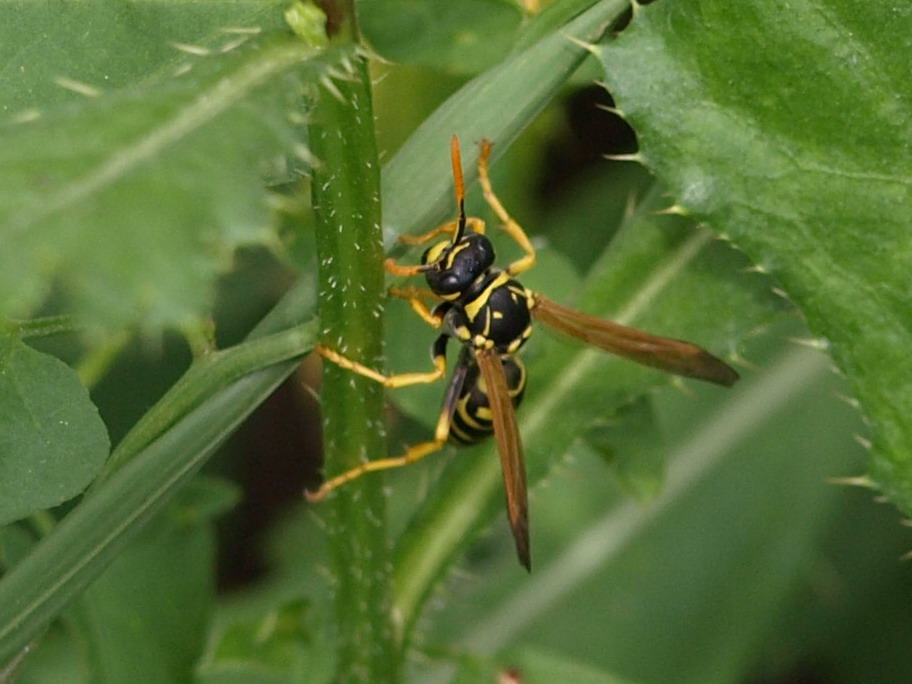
[346, 192]
[528, 80]
[90, 537]
[41, 327]
[179, 432]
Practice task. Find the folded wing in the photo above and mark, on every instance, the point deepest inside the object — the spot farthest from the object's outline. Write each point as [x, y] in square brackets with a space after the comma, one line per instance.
[671, 356]
[506, 431]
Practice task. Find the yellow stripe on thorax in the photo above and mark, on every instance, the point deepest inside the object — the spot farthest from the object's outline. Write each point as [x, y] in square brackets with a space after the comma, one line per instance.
[473, 308]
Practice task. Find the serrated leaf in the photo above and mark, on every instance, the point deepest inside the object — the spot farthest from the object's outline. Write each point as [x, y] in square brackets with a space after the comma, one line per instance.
[797, 149]
[52, 440]
[133, 201]
[45, 58]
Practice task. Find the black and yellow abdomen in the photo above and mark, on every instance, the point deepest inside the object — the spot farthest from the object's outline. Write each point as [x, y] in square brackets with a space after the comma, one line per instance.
[472, 420]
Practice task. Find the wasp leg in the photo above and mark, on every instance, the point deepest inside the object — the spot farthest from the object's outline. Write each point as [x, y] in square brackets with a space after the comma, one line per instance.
[392, 381]
[390, 264]
[405, 271]
[414, 453]
[473, 223]
[512, 228]
[415, 297]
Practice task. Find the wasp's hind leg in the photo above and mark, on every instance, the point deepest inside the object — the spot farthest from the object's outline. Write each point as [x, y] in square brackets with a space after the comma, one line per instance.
[415, 297]
[392, 381]
[414, 453]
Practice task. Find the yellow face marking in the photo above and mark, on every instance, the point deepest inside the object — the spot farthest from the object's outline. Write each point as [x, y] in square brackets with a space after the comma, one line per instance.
[433, 255]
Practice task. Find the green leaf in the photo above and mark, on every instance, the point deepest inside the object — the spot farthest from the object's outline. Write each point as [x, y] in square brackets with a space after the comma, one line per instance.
[279, 645]
[52, 440]
[663, 592]
[145, 618]
[460, 37]
[498, 104]
[796, 149]
[180, 433]
[134, 200]
[46, 51]
[631, 444]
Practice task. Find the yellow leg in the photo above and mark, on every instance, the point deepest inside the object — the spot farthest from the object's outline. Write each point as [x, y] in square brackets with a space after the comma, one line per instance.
[445, 229]
[473, 223]
[513, 229]
[415, 297]
[391, 381]
[413, 454]
[405, 271]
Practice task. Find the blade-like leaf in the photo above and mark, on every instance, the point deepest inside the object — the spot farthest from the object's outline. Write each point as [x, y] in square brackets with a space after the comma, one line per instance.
[144, 620]
[167, 453]
[797, 148]
[52, 440]
[417, 182]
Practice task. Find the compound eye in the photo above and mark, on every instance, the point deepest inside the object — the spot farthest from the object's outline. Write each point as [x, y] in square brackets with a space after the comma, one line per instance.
[449, 283]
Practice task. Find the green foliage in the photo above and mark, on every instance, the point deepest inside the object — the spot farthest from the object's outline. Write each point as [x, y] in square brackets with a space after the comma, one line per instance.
[52, 440]
[266, 649]
[680, 532]
[96, 188]
[461, 37]
[773, 147]
[630, 442]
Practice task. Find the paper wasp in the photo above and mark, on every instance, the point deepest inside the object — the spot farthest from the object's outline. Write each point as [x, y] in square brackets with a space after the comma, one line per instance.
[490, 314]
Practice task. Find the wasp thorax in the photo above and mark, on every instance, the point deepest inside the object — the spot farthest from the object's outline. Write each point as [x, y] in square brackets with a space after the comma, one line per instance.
[458, 266]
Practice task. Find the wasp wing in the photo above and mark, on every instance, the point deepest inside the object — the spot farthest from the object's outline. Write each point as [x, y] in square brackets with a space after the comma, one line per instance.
[506, 431]
[671, 356]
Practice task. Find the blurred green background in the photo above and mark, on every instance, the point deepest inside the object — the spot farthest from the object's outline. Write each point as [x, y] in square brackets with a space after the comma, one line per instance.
[706, 544]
